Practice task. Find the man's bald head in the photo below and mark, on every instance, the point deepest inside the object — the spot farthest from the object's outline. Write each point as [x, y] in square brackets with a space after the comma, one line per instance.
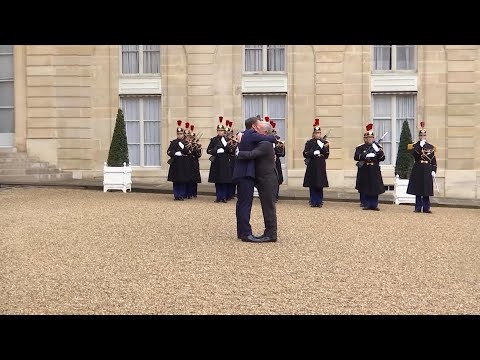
[264, 127]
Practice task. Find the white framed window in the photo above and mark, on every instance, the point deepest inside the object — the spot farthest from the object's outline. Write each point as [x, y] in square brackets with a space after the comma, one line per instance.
[389, 113]
[272, 105]
[140, 59]
[7, 124]
[143, 125]
[394, 58]
[264, 58]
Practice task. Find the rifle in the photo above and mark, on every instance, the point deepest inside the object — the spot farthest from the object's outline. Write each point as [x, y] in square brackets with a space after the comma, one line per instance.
[362, 162]
[325, 136]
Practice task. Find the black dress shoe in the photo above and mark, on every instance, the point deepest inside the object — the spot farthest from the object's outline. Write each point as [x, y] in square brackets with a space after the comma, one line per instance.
[249, 238]
[366, 208]
[416, 211]
[375, 209]
[362, 205]
[224, 201]
[266, 239]
[217, 200]
[428, 212]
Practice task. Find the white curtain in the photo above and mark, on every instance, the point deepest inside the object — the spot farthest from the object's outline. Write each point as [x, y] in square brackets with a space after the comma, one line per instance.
[405, 57]
[275, 57]
[406, 105]
[6, 89]
[382, 57]
[130, 59]
[252, 106]
[382, 123]
[131, 110]
[151, 130]
[253, 57]
[151, 59]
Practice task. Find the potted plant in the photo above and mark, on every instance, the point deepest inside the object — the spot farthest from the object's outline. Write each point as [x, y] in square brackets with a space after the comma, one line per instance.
[116, 174]
[403, 167]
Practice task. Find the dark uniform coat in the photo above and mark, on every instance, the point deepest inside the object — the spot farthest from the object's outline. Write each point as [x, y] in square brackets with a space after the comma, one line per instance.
[369, 179]
[279, 152]
[421, 181]
[316, 172]
[180, 167]
[220, 169]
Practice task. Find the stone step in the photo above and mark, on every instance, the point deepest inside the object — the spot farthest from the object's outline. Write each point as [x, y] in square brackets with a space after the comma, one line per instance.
[10, 159]
[9, 149]
[15, 155]
[25, 165]
[12, 179]
[29, 171]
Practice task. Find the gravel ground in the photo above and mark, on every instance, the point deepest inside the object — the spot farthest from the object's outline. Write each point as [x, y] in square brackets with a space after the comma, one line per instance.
[86, 252]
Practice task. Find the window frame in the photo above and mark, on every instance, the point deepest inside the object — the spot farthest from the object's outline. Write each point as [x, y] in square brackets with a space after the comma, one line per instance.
[393, 123]
[140, 63]
[12, 81]
[264, 69]
[393, 54]
[142, 131]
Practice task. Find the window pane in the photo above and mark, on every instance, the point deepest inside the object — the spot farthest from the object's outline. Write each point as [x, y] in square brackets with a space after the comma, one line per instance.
[382, 106]
[252, 106]
[131, 107]
[6, 93]
[275, 57]
[152, 155]
[382, 57]
[380, 127]
[253, 57]
[151, 108]
[133, 131]
[6, 49]
[151, 132]
[6, 67]
[151, 59]
[6, 121]
[130, 64]
[134, 154]
[406, 57]
[406, 105]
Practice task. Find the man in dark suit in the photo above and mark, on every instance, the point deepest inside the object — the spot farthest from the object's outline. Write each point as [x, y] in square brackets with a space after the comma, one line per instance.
[266, 181]
[244, 177]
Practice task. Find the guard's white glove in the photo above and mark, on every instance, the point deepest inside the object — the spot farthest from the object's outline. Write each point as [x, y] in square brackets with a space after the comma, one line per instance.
[422, 143]
[433, 173]
[220, 151]
[224, 142]
[375, 147]
[320, 144]
[178, 153]
[181, 144]
[316, 152]
[370, 155]
[237, 151]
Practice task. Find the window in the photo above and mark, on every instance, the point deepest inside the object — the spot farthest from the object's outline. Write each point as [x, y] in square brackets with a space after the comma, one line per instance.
[273, 106]
[142, 122]
[140, 59]
[263, 58]
[389, 113]
[6, 93]
[394, 57]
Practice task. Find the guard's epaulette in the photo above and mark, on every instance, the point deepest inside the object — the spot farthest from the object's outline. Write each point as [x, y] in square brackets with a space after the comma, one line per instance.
[409, 146]
[360, 144]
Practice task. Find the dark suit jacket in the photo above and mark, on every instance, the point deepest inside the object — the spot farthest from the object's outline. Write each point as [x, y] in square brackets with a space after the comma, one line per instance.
[246, 168]
[264, 156]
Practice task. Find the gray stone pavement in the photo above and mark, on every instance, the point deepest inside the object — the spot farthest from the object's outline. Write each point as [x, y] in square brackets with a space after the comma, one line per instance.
[286, 192]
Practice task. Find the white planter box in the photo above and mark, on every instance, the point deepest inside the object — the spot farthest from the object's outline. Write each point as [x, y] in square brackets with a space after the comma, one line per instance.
[400, 193]
[117, 178]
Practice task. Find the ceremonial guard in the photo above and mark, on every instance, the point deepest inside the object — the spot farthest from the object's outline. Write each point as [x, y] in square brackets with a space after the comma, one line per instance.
[315, 153]
[370, 182]
[424, 171]
[279, 147]
[179, 172]
[362, 197]
[232, 146]
[220, 170]
[195, 153]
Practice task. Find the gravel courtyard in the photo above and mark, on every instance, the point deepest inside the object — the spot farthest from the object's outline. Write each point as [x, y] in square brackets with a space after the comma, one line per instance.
[65, 251]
